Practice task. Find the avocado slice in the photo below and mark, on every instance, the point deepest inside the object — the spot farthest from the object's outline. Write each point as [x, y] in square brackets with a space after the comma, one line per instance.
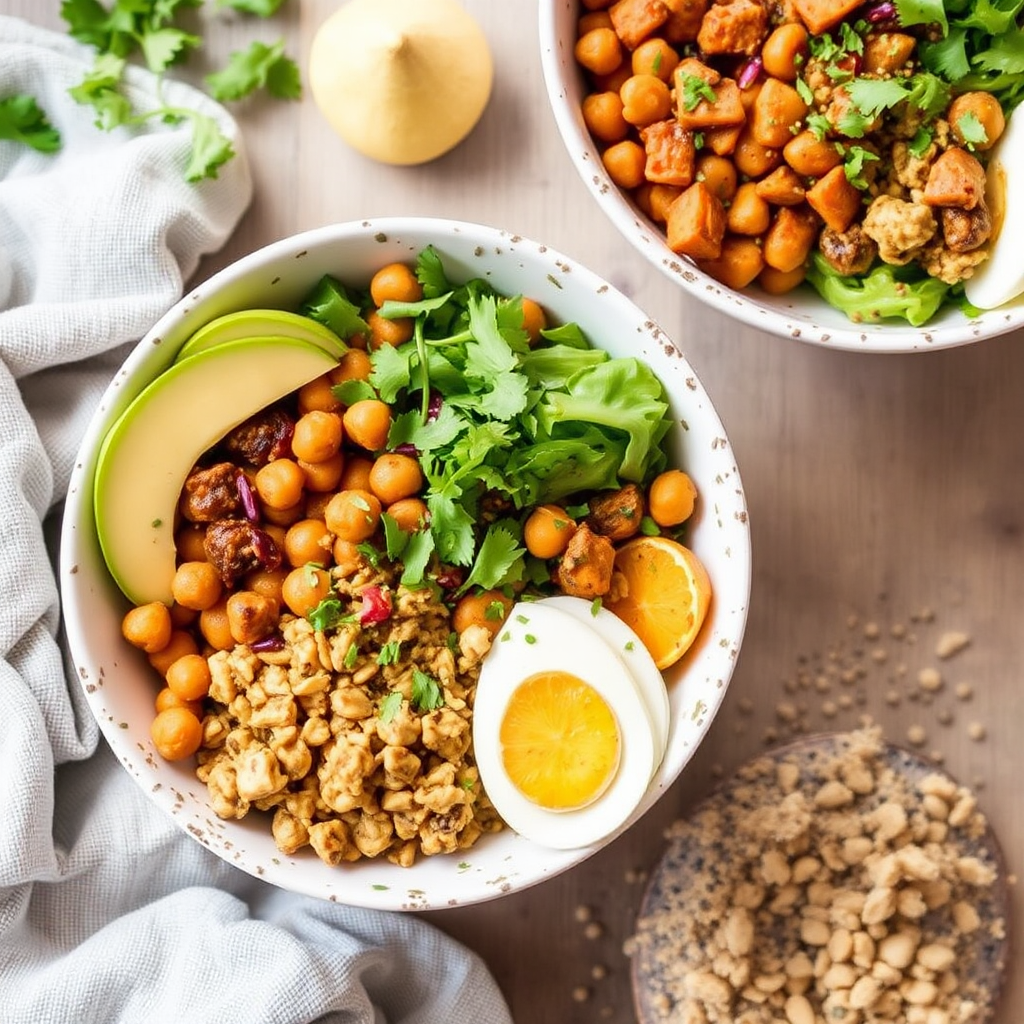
[262, 323]
[148, 452]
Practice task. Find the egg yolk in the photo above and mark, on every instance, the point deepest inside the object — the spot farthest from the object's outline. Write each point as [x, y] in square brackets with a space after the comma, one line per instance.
[560, 741]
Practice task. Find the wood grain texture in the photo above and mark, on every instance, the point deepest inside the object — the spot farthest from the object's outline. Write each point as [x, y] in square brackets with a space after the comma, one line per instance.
[878, 486]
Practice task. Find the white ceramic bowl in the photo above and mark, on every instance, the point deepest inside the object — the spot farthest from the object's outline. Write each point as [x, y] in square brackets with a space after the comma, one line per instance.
[119, 683]
[802, 313]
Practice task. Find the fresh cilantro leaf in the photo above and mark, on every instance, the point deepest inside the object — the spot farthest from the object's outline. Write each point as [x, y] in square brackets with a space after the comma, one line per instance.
[919, 144]
[992, 18]
[370, 553]
[261, 8]
[695, 90]
[390, 653]
[211, 148]
[1005, 55]
[392, 308]
[392, 370]
[416, 557]
[873, 95]
[259, 66]
[89, 22]
[348, 392]
[577, 511]
[570, 335]
[495, 611]
[971, 130]
[452, 528]
[100, 89]
[947, 57]
[595, 606]
[327, 614]
[854, 159]
[499, 560]
[165, 46]
[395, 538]
[928, 93]
[819, 125]
[804, 91]
[351, 656]
[390, 706]
[23, 120]
[430, 273]
[649, 528]
[850, 38]
[329, 304]
[426, 692]
[409, 428]
[922, 12]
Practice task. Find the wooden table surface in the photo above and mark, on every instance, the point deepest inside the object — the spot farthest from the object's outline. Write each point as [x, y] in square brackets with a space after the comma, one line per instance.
[886, 500]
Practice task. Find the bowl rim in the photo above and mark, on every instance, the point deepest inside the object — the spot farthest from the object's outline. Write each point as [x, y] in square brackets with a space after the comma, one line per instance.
[890, 337]
[171, 789]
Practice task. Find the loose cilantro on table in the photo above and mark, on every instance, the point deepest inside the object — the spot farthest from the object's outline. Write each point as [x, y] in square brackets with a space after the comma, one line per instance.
[23, 120]
[150, 29]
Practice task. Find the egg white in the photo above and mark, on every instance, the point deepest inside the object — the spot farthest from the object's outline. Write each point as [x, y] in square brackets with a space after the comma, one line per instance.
[538, 637]
[1001, 277]
[630, 649]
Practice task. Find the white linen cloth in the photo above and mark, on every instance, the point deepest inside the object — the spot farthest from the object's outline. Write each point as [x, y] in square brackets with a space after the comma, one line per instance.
[108, 911]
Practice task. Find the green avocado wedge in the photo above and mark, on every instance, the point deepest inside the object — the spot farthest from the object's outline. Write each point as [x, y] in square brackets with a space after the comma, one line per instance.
[148, 452]
[262, 323]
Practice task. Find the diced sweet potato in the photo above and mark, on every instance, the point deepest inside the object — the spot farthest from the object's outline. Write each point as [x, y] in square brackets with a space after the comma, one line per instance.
[834, 199]
[696, 223]
[733, 28]
[617, 514]
[885, 53]
[693, 66]
[739, 264]
[778, 110]
[635, 20]
[783, 187]
[821, 15]
[670, 151]
[811, 156]
[585, 569]
[955, 179]
[696, 110]
[722, 141]
[684, 18]
[789, 239]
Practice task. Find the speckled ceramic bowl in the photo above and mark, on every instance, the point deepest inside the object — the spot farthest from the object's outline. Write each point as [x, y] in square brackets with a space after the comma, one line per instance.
[800, 314]
[120, 685]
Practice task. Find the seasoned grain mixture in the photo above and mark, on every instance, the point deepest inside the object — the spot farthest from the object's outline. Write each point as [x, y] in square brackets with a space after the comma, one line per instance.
[299, 731]
[840, 880]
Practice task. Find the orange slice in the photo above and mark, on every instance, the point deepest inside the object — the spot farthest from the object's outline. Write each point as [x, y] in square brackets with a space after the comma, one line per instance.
[559, 741]
[663, 592]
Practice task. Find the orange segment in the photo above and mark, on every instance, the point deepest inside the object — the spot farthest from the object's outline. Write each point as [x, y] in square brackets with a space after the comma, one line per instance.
[663, 592]
[559, 741]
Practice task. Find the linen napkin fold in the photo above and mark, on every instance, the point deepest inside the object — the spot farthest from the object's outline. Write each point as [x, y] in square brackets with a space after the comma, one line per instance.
[108, 912]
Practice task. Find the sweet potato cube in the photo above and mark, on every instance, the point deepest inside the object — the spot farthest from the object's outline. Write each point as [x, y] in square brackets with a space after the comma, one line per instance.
[671, 153]
[684, 18]
[783, 187]
[778, 111]
[696, 223]
[834, 199]
[695, 109]
[790, 237]
[635, 20]
[722, 141]
[955, 179]
[885, 53]
[739, 264]
[821, 15]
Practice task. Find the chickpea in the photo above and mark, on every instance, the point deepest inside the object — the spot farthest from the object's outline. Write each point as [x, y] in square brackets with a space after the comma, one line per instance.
[182, 616]
[267, 583]
[394, 477]
[317, 436]
[353, 515]
[188, 678]
[251, 617]
[196, 585]
[176, 733]
[389, 332]
[784, 52]
[534, 319]
[355, 364]
[778, 282]
[367, 423]
[167, 698]
[718, 174]
[305, 588]
[748, 214]
[645, 99]
[284, 517]
[316, 504]
[324, 475]
[547, 531]
[602, 114]
[214, 625]
[411, 514]
[655, 57]
[276, 533]
[189, 544]
[614, 81]
[306, 541]
[599, 51]
[396, 282]
[671, 497]
[625, 163]
[148, 627]
[592, 20]
[348, 559]
[488, 608]
[356, 474]
[986, 109]
[180, 644]
[279, 484]
[317, 394]
[660, 198]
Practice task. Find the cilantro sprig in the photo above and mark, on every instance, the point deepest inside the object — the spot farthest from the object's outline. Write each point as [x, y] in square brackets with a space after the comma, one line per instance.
[149, 29]
[23, 120]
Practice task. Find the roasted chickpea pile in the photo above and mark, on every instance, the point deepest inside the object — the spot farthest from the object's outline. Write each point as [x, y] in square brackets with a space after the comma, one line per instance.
[755, 134]
[308, 680]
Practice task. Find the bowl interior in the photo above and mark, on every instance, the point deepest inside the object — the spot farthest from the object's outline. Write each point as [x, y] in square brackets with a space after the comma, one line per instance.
[800, 314]
[119, 683]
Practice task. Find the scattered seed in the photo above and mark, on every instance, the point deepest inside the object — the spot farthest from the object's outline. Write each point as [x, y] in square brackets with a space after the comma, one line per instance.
[829, 709]
[786, 711]
[580, 994]
[917, 736]
[937, 756]
[976, 731]
[598, 972]
[951, 643]
[583, 913]
[945, 717]
[892, 698]
[845, 701]
[771, 734]
[897, 631]
[821, 684]
[717, 771]
[964, 691]
[879, 655]
[871, 631]
[745, 705]
[851, 621]
[593, 931]
[929, 680]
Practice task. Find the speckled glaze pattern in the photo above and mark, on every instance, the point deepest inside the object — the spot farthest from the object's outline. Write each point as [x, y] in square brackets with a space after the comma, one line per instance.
[800, 314]
[120, 685]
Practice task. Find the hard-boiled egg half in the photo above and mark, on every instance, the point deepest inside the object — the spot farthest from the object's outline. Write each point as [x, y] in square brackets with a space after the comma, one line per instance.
[570, 722]
[1001, 277]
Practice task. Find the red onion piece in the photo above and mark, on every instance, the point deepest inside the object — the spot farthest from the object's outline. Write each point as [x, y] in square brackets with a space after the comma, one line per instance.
[246, 496]
[265, 548]
[450, 577]
[274, 642]
[883, 11]
[749, 72]
[434, 406]
[406, 448]
[376, 606]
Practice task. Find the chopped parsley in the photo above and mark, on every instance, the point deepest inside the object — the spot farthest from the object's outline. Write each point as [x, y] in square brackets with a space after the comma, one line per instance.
[530, 638]
[390, 653]
[854, 159]
[595, 606]
[696, 90]
[971, 130]
[327, 614]
[426, 692]
[390, 706]
[351, 656]
[919, 144]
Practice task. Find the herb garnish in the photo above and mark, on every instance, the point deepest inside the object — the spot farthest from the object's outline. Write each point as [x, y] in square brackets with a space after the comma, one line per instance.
[23, 120]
